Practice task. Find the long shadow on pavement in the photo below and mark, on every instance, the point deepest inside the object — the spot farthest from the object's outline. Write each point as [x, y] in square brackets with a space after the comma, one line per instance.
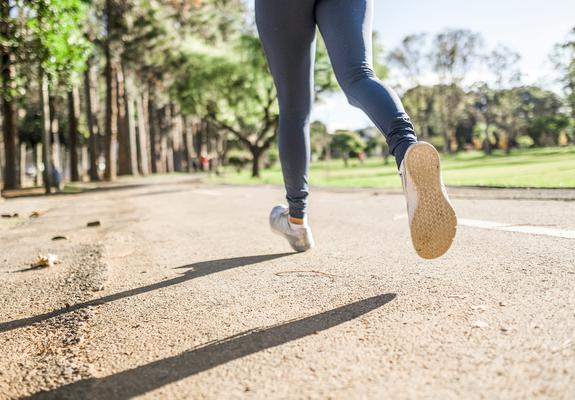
[196, 270]
[140, 380]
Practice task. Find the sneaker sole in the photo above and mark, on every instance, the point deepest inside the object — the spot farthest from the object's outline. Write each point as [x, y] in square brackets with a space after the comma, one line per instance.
[293, 246]
[434, 222]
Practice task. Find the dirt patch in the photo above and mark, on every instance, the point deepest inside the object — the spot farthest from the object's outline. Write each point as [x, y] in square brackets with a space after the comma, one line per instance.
[52, 351]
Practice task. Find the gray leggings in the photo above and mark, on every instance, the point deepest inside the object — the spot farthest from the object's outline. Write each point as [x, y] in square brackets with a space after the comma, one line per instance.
[287, 31]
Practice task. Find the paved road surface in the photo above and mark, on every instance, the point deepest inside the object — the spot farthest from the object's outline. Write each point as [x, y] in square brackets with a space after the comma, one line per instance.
[183, 292]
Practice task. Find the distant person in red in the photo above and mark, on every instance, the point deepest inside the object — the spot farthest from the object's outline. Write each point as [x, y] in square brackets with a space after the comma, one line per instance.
[204, 162]
[287, 31]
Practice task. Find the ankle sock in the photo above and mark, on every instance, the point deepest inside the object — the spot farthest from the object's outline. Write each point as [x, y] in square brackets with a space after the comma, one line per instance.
[297, 223]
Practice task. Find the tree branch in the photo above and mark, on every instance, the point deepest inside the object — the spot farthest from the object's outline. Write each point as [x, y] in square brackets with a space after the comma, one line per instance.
[231, 129]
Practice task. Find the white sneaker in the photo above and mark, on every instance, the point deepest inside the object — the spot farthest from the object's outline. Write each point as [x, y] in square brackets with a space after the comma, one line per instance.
[432, 219]
[298, 236]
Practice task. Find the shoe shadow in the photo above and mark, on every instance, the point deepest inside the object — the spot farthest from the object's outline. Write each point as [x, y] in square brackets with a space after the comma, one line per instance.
[193, 271]
[145, 378]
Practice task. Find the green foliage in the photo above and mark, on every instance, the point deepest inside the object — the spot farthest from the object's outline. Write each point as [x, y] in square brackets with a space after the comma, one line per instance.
[376, 145]
[421, 103]
[320, 140]
[525, 141]
[564, 59]
[324, 77]
[31, 125]
[229, 82]
[545, 130]
[454, 52]
[346, 142]
[380, 68]
[238, 159]
[272, 158]
[409, 57]
[56, 27]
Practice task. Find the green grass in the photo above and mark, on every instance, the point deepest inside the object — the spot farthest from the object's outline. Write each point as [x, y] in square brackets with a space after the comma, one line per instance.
[534, 168]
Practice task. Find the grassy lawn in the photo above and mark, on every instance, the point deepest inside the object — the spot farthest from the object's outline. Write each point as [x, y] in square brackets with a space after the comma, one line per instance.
[535, 168]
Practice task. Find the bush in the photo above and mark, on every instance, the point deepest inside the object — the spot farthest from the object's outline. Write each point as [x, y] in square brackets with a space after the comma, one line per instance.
[238, 160]
[525, 141]
[272, 157]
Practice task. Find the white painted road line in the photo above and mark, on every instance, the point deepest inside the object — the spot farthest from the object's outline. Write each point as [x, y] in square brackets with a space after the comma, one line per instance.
[530, 229]
[519, 228]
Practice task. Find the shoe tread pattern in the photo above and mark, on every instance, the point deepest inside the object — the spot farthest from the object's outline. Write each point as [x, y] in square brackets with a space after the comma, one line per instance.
[434, 222]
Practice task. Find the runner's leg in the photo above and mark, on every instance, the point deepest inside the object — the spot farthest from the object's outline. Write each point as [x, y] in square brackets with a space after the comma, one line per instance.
[346, 26]
[287, 32]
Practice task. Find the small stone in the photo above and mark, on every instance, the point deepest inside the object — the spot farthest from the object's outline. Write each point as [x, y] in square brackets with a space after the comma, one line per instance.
[480, 324]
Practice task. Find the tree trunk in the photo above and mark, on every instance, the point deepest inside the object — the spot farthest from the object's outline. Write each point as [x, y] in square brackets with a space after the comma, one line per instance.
[46, 133]
[8, 112]
[111, 116]
[22, 165]
[123, 140]
[142, 138]
[38, 163]
[201, 146]
[177, 138]
[1, 164]
[73, 112]
[256, 161]
[188, 142]
[447, 141]
[221, 150]
[131, 126]
[56, 155]
[84, 162]
[445, 119]
[168, 139]
[425, 131]
[153, 126]
[327, 148]
[486, 142]
[93, 130]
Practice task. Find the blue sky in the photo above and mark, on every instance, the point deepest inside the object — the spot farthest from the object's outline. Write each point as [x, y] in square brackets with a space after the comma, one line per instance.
[530, 27]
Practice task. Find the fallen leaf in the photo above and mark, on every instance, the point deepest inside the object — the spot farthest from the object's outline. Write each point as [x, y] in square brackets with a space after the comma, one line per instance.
[44, 261]
[60, 238]
[13, 215]
[92, 224]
